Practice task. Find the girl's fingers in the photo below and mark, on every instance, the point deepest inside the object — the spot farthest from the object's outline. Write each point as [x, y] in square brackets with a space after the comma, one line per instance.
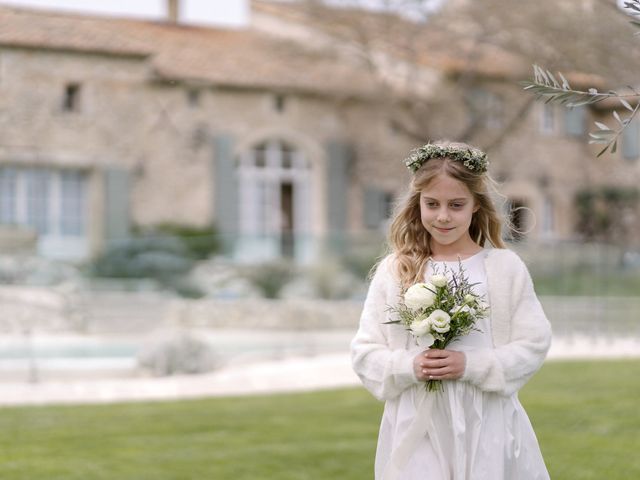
[437, 371]
[437, 353]
[435, 363]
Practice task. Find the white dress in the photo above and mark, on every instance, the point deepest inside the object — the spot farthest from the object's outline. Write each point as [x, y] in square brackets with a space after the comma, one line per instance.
[472, 434]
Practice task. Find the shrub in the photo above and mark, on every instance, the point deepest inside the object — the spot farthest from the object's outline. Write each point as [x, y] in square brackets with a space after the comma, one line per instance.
[200, 242]
[270, 277]
[177, 352]
[150, 257]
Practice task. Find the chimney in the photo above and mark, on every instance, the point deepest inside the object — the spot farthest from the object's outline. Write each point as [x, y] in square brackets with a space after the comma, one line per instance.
[208, 13]
[173, 11]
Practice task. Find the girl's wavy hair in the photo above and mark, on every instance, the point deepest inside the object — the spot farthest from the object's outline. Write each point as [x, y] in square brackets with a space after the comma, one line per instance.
[409, 241]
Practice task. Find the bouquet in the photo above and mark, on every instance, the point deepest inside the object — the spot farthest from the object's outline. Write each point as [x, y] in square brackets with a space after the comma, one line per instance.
[440, 311]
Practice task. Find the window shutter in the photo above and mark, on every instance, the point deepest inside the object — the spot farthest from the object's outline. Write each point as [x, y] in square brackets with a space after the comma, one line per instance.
[630, 141]
[225, 181]
[340, 156]
[117, 221]
[575, 120]
[374, 207]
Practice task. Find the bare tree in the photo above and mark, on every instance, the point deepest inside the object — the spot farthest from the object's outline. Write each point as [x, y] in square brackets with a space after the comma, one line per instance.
[422, 67]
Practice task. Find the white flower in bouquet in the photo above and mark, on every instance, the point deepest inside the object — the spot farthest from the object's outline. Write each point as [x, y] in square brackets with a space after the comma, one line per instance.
[426, 340]
[439, 280]
[420, 295]
[470, 299]
[440, 321]
[421, 329]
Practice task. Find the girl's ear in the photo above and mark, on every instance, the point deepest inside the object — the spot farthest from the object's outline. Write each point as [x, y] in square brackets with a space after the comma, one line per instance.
[476, 207]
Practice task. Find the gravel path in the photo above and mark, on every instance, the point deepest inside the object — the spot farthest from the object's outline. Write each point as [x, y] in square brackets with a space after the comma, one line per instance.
[286, 375]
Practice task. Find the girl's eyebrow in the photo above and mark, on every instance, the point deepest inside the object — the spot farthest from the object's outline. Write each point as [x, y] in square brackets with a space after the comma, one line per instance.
[462, 199]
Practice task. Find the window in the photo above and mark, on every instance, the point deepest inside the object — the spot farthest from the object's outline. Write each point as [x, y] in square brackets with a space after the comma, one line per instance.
[631, 142]
[37, 199]
[516, 211]
[575, 121]
[71, 101]
[548, 218]
[193, 97]
[547, 119]
[486, 107]
[52, 202]
[72, 203]
[494, 111]
[279, 103]
[377, 208]
[8, 194]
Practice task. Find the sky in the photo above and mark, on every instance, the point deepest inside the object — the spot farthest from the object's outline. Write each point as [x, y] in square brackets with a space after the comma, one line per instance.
[226, 12]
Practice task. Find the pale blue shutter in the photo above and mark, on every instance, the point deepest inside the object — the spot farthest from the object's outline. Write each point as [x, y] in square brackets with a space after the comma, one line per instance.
[631, 142]
[374, 208]
[575, 121]
[339, 159]
[225, 181]
[117, 220]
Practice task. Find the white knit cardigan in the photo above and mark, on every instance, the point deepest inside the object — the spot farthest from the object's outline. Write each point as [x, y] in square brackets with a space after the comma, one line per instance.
[382, 355]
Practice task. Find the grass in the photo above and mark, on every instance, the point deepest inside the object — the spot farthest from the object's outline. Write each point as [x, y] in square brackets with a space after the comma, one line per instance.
[590, 283]
[585, 415]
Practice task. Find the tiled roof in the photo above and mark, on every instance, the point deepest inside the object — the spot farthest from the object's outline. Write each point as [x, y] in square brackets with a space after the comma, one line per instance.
[238, 58]
[31, 29]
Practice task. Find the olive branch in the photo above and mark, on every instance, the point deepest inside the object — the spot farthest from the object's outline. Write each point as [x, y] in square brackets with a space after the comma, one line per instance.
[546, 86]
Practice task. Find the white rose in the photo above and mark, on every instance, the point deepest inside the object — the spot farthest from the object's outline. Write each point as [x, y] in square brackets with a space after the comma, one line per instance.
[470, 299]
[440, 321]
[439, 280]
[419, 296]
[420, 327]
[426, 340]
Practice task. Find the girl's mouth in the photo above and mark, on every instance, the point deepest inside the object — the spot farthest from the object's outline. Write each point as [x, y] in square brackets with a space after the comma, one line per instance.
[444, 230]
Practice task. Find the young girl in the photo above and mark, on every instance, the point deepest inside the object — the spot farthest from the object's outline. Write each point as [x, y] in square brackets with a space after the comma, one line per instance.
[475, 428]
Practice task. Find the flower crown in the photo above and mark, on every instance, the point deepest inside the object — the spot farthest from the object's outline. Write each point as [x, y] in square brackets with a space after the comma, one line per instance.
[472, 158]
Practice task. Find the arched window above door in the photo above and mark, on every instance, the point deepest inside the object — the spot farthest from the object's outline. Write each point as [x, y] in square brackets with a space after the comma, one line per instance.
[275, 154]
[275, 199]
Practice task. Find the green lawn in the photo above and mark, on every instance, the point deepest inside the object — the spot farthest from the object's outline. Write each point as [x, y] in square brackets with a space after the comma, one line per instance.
[599, 283]
[585, 414]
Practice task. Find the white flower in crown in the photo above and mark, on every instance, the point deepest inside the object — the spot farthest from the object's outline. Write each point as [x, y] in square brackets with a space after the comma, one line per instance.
[440, 321]
[439, 280]
[420, 295]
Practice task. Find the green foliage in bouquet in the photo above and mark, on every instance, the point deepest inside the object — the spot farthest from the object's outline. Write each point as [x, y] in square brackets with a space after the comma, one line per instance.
[440, 311]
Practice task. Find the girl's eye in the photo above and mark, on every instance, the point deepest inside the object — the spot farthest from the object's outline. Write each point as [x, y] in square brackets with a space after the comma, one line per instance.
[432, 204]
[457, 205]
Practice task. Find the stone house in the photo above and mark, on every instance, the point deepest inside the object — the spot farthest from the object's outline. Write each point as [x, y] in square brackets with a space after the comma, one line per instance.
[285, 145]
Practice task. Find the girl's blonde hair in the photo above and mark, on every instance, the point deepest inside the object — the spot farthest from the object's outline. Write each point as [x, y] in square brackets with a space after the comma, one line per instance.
[409, 241]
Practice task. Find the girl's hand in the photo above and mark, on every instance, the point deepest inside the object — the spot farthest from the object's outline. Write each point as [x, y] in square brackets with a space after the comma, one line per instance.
[435, 364]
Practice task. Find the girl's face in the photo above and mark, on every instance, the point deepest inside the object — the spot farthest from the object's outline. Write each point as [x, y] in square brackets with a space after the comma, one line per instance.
[446, 209]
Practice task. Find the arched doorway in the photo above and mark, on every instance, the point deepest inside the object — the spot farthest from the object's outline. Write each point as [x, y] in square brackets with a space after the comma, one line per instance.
[275, 204]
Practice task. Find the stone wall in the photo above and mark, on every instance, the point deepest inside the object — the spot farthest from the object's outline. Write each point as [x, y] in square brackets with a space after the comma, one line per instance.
[265, 314]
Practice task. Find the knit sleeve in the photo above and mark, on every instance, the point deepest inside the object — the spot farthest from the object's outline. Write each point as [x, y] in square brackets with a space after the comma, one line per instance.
[506, 368]
[384, 371]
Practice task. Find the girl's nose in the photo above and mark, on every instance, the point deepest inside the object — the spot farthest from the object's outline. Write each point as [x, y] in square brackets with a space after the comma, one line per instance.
[443, 216]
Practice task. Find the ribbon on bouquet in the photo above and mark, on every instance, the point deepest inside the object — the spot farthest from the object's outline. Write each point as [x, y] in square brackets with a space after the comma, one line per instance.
[414, 434]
